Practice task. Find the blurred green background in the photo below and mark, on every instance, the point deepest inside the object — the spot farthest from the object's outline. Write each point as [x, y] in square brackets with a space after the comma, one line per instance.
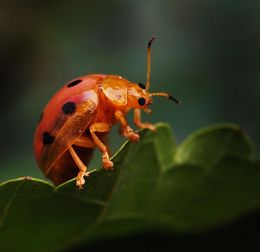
[207, 54]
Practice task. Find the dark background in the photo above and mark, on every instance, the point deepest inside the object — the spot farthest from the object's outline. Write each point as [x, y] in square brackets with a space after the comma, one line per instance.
[207, 54]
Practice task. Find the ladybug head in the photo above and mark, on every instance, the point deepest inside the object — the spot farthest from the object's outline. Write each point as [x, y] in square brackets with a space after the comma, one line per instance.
[139, 97]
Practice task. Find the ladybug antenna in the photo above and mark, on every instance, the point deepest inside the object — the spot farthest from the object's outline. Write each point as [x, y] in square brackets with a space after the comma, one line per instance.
[148, 71]
[170, 97]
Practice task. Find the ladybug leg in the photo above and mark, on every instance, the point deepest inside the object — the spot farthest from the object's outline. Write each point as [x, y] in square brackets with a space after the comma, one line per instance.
[126, 130]
[141, 125]
[82, 168]
[84, 142]
[101, 127]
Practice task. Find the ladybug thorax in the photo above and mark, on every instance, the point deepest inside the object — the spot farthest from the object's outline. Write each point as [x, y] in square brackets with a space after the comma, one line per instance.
[114, 88]
[123, 94]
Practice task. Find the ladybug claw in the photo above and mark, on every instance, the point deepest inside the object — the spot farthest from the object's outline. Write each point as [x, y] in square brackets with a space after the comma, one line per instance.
[151, 127]
[134, 137]
[107, 163]
[130, 134]
[147, 126]
[80, 181]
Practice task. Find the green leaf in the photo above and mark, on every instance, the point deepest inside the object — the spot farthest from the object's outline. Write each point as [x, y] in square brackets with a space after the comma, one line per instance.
[207, 146]
[153, 187]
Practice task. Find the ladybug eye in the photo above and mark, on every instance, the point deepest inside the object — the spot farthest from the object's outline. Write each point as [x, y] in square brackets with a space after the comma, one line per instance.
[141, 85]
[141, 101]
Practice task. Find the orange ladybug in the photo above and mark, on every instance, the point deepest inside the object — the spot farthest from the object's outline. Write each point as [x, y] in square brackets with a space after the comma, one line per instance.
[79, 116]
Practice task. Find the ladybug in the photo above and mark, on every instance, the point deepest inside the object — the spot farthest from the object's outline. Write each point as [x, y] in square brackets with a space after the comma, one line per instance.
[79, 117]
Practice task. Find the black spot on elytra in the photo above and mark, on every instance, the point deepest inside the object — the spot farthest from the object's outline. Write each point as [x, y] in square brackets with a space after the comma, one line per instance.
[41, 116]
[141, 101]
[47, 138]
[74, 83]
[68, 108]
[141, 85]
